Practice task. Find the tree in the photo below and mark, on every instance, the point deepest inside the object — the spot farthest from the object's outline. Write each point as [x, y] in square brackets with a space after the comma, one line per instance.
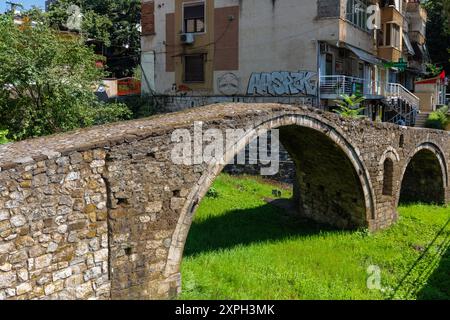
[349, 106]
[47, 82]
[112, 25]
[438, 32]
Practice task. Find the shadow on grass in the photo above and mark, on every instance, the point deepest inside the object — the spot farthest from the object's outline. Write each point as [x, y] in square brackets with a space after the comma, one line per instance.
[433, 268]
[248, 226]
[438, 284]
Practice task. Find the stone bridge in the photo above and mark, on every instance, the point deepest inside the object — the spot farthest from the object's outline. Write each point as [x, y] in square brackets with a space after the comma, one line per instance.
[104, 212]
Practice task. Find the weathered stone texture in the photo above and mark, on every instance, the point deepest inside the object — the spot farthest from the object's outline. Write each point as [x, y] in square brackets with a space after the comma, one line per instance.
[46, 244]
[104, 213]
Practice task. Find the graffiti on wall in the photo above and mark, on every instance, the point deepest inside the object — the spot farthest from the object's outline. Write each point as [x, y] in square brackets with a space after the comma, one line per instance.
[280, 83]
[228, 84]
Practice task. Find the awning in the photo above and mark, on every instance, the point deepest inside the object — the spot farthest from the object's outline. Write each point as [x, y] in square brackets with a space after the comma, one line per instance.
[364, 56]
[408, 44]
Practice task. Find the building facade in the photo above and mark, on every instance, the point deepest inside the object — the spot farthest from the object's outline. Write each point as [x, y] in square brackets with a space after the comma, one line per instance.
[196, 52]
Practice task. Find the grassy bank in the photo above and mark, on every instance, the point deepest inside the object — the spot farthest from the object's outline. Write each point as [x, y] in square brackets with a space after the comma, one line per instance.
[240, 247]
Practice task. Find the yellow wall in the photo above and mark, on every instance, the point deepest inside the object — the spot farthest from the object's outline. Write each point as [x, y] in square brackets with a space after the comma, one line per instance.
[203, 44]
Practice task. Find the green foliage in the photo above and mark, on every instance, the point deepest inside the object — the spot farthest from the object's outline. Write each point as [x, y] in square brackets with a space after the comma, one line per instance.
[438, 31]
[47, 82]
[112, 23]
[142, 106]
[438, 119]
[212, 193]
[240, 247]
[3, 138]
[348, 106]
[433, 69]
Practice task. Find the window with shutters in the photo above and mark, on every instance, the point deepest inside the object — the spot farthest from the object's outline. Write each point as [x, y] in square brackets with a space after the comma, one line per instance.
[194, 68]
[194, 17]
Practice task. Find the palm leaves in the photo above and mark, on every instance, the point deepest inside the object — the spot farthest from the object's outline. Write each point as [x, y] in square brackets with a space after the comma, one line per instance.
[349, 106]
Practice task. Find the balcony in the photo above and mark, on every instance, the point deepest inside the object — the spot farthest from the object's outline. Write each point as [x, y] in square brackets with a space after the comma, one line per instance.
[391, 15]
[401, 105]
[332, 87]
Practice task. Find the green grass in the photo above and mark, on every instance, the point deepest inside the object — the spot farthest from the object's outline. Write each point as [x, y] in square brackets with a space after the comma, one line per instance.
[240, 247]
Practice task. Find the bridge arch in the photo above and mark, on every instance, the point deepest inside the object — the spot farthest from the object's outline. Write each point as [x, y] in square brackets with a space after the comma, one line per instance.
[424, 177]
[388, 166]
[288, 122]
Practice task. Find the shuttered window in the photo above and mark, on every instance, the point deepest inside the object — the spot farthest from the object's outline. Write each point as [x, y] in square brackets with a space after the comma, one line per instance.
[194, 68]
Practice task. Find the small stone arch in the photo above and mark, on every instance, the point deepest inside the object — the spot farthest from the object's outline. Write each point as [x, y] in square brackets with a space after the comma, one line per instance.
[416, 164]
[388, 177]
[200, 189]
[387, 169]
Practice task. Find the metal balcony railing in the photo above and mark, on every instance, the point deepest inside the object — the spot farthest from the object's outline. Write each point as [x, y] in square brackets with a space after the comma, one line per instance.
[338, 85]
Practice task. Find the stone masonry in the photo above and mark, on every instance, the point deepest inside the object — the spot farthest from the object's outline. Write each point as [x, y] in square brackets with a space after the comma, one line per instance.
[103, 212]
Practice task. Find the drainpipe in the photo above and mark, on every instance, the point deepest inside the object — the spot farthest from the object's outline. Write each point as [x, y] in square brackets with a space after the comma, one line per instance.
[318, 73]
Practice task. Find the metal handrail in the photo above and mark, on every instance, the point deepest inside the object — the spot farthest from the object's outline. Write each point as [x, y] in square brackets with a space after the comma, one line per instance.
[396, 90]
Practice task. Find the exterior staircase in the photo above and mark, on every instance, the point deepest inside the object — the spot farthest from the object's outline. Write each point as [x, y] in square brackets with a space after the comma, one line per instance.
[402, 106]
[421, 119]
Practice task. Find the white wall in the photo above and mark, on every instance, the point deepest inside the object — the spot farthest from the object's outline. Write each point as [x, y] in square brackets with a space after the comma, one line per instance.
[274, 35]
[162, 80]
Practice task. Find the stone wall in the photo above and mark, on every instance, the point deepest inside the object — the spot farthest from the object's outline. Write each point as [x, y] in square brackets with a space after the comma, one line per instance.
[53, 229]
[103, 213]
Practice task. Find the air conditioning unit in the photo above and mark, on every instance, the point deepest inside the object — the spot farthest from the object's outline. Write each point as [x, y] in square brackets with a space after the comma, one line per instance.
[187, 38]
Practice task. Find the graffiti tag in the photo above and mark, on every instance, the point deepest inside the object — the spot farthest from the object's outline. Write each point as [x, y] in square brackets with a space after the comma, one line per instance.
[281, 83]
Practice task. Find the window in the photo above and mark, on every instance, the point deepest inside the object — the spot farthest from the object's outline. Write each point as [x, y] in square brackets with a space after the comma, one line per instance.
[396, 35]
[328, 64]
[360, 70]
[388, 33]
[392, 35]
[194, 68]
[194, 18]
[357, 13]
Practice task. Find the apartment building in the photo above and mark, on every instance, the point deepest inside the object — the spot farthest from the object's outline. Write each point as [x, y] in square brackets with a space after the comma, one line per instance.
[196, 52]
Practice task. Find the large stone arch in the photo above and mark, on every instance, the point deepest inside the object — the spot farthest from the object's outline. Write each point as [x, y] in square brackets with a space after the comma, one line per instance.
[319, 126]
[424, 176]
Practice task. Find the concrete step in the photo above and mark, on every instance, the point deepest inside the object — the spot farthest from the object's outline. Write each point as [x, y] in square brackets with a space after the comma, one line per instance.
[421, 119]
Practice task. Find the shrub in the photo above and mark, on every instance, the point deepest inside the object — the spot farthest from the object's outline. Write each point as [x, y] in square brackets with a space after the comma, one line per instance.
[142, 106]
[212, 193]
[438, 119]
[3, 138]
